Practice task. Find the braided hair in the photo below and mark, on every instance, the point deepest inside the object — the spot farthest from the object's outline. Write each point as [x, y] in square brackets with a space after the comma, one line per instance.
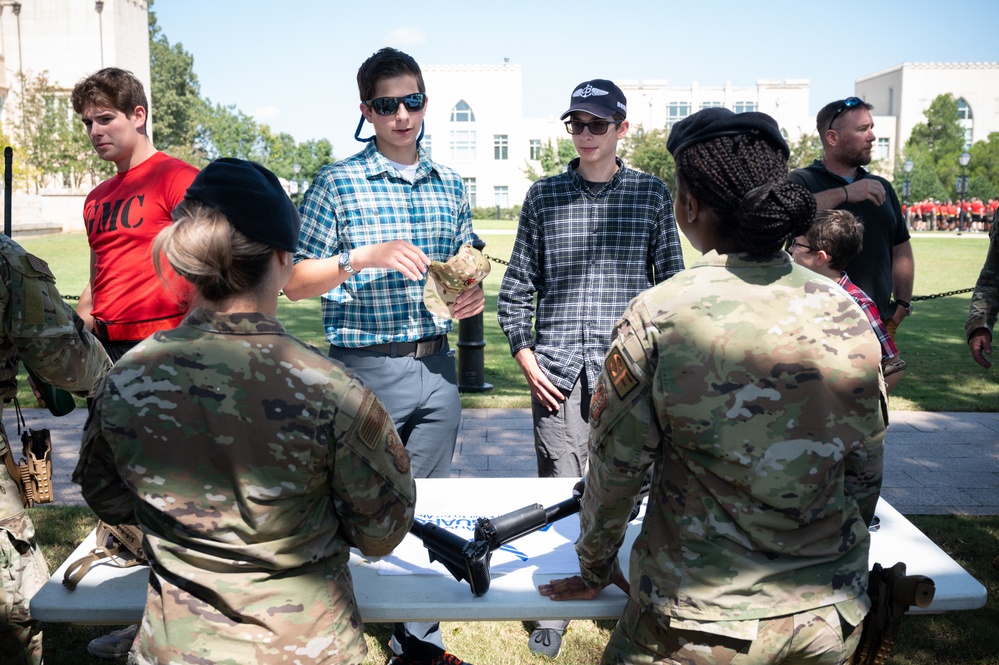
[744, 179]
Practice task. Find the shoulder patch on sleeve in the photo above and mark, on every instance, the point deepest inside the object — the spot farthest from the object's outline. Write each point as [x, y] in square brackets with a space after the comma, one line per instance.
[376, 427]
[620, 372]
[372, 417]
[40, 265]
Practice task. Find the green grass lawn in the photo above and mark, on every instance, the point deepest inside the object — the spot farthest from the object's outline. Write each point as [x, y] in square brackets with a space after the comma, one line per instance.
[940, 377]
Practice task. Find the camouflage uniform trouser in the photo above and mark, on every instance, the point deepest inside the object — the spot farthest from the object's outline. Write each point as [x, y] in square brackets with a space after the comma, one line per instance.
[23, 571]
[816, 637]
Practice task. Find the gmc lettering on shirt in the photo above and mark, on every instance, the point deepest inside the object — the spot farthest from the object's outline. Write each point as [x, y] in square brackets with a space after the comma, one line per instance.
[107, 216]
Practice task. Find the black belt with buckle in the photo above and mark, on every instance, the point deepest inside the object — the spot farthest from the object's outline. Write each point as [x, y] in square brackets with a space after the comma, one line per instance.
[418, 349]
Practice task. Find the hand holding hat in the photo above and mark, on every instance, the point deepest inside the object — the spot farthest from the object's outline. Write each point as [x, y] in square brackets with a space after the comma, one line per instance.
[447, 280]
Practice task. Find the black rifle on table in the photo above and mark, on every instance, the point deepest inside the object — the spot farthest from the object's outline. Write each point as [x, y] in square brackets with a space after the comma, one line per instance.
[468, 560]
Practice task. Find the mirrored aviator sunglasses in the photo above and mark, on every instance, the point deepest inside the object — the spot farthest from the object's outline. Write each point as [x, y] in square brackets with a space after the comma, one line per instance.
[848, 103]
[390, 105]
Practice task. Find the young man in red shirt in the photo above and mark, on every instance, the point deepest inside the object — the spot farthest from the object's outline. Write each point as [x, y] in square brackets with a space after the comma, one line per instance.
[125, 302]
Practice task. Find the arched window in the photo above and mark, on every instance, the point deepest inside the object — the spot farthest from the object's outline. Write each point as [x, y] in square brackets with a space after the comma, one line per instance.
[967, 120]
[462, 112]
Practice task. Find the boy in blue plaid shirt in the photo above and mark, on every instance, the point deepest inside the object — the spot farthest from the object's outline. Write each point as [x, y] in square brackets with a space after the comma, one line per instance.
[371, 224]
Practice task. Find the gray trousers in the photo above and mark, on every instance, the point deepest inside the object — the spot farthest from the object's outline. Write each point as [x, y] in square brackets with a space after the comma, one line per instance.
[561, 438]
[421, 397]
[561, 441]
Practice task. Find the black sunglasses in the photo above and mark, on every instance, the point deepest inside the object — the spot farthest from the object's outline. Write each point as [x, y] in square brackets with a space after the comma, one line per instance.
[848, 103]
[597, 127]
[389, 105]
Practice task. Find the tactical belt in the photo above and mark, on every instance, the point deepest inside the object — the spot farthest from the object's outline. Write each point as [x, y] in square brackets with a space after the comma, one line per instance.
[109, 331]
[418, 349]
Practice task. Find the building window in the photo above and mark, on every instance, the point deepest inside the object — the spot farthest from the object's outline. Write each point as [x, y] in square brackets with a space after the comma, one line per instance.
[535, 149]
[463, 145]
[501, 145]
[883, 149]
[963, 110]
[676, 111]
[967, 120]
[462, 112]
[470, 191]
[744, 107]
[501, 195]
[711, 105]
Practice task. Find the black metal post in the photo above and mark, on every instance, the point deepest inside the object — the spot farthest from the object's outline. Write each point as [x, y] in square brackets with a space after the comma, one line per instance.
[8, 180]
[472, 348]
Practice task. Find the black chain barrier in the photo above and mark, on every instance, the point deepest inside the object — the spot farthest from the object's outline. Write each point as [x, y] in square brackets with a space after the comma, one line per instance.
[506, 263]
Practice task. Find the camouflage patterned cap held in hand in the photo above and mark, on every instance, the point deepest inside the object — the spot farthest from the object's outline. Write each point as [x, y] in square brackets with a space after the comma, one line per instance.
[252, 199]
[446, 281]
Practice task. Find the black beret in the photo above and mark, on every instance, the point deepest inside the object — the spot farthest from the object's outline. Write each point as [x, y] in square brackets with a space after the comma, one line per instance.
[714, 122]
[252, 199]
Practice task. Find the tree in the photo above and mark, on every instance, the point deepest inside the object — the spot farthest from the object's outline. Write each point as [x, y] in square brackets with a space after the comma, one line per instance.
[197, 130]
[941, 139]
[51, 147]
[924, 181]
[228, 132]
[554, 158]
[176, 104]
[984, 167]
[646, 151]
[804, 151]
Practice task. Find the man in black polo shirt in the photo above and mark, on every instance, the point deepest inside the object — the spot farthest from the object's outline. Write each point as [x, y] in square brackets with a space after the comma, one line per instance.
[884, 266]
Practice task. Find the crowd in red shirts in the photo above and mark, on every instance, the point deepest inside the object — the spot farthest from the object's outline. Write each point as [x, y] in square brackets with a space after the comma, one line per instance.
[933, 215]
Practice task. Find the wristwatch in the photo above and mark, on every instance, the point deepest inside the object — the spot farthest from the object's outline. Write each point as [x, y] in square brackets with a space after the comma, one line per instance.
[905, 305]
[345, 264]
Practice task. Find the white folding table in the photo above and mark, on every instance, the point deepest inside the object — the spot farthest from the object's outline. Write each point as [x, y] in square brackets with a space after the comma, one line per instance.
[112, 595]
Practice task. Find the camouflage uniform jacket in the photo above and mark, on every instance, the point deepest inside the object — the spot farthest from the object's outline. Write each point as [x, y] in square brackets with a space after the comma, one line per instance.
[753, 387]
[44, 333]
[252, 462]
[985, 299]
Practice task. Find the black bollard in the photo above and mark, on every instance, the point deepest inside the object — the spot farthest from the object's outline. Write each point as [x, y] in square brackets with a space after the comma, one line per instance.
[472, 348]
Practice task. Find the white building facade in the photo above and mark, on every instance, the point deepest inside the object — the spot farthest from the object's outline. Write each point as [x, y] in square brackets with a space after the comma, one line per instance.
[66, 40]
[901, 95]
[492, 145]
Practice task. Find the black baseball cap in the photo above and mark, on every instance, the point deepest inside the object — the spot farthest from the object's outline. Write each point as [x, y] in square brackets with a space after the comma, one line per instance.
[599, 97]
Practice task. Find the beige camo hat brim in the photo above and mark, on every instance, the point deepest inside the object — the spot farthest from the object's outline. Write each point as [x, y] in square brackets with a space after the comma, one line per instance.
[446, 281]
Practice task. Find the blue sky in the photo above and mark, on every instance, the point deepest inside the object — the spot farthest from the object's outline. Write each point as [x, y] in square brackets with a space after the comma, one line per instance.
[292, 63]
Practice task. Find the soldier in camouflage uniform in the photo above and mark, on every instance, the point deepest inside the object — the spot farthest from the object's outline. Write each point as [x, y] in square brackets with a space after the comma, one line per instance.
[251, 460]
[44, 333]
[753, 389]
[985, 303]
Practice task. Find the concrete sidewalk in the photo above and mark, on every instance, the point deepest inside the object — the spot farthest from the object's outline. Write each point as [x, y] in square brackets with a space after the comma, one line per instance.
[935, 463]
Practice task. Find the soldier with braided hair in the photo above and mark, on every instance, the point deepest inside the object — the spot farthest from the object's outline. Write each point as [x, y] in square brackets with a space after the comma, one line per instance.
[752, 388]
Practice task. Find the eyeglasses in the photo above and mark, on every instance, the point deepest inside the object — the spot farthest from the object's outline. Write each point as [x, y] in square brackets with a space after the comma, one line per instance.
[848, 103]
[790, 248]
[389, 105]
[596, 127]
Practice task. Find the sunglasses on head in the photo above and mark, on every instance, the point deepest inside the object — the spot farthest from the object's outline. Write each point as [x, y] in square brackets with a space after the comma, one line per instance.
[597, 127]
[389, 105]
[848, 103]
